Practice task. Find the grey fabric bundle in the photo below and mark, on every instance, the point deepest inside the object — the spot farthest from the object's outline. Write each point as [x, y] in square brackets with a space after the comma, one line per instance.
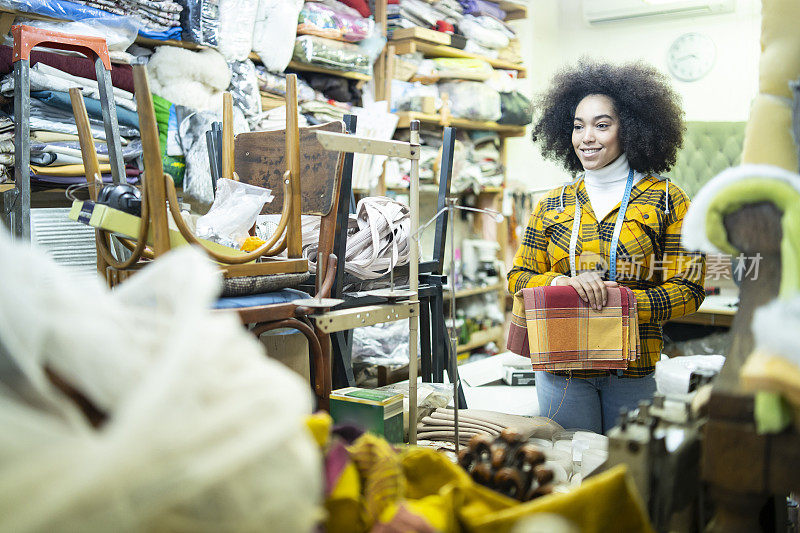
[438, 425]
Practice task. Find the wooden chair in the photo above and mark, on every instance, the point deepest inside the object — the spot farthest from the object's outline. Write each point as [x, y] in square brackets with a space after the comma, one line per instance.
[260, 158]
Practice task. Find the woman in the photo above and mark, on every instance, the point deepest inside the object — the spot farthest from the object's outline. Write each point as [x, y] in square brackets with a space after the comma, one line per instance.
[620, 126]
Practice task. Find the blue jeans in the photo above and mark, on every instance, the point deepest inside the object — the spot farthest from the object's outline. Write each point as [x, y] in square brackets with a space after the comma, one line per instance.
[591, 404]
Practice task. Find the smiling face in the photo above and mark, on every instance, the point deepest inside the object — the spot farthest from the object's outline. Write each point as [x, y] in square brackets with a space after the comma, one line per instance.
[595, 132]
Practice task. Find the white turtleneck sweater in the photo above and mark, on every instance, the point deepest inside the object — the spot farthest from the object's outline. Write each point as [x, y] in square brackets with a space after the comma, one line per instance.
[606, 186]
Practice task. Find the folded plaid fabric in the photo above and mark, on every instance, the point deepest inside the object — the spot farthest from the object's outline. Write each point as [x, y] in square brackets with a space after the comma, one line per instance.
[559, 331]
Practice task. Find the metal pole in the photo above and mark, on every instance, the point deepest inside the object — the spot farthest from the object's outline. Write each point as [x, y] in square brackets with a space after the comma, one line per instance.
[451, 209]
[109, 109]
[413, 278]
[21, 220]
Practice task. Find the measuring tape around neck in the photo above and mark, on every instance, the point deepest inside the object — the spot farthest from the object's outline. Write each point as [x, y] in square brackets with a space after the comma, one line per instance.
[576, 229]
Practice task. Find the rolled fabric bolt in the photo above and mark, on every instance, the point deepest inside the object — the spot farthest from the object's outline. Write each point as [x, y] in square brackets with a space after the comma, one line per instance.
[433, 423]
[448, 435]
[462, 418]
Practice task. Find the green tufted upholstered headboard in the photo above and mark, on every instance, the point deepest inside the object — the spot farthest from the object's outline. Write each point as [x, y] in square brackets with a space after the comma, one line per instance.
[708, 149]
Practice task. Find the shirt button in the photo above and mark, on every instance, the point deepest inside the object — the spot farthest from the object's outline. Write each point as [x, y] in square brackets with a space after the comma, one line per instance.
[645, 216]
[556, 217]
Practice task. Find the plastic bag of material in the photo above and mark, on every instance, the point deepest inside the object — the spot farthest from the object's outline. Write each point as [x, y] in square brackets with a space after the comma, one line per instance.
[381, 344]
[115, 29]
[234, 211]
[200, 431]
[118, 32]
[674, 375]
[515, 108]
[323, 21]
[236, 22]
[197, 190]
[472, 100]
[274, 32]
[200, 21]
[244, 87]
[335, 55]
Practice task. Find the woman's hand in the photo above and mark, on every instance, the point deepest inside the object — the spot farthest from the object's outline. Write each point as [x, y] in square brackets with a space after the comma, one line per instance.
[590, 286]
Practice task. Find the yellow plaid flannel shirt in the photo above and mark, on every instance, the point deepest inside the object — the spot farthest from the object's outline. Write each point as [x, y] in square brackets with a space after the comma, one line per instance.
[666, 279]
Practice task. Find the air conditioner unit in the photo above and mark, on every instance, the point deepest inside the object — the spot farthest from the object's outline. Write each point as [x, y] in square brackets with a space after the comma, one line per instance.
[603, 11]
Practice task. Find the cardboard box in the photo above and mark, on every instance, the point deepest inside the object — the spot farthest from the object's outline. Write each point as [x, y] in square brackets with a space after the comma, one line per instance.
[517, 376]
[379, 412]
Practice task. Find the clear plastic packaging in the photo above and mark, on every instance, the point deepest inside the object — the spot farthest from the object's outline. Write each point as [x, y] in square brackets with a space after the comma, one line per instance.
[463, 68]
[382, 344]
[411, 96]
[244, 87]
[335, 55]
[323, 21]
[237, 20]
[472, 100]
[234, 211]
[276, 84]
[200, 21]
[197, 190]
[483, 32]
[118, 32]
[275, 31]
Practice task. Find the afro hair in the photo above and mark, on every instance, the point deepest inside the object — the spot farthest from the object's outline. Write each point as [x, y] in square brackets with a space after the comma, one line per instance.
[649, 110]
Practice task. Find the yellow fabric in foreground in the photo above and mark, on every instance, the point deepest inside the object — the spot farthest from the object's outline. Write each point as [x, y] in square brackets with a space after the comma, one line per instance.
[427, 484]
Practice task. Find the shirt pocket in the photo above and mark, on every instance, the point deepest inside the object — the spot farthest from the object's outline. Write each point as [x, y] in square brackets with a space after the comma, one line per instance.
[557, 230]
[642, 233]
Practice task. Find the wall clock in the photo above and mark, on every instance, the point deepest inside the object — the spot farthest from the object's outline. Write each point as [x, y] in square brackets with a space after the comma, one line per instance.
[691, 56]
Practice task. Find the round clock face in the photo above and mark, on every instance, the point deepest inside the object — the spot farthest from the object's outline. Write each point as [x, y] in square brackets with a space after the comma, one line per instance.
[691, 56]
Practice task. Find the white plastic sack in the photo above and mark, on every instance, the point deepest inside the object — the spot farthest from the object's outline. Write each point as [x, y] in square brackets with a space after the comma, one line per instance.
[204, 432]
[236, 21]
[673, 375]
[274, 32]
[234, 211]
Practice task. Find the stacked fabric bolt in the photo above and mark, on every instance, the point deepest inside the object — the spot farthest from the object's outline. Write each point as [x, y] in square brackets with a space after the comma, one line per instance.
[54, 149]
[438, 426]
[155, 15]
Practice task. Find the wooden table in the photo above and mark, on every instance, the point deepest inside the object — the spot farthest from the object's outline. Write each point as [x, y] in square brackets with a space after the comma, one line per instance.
[716, 310]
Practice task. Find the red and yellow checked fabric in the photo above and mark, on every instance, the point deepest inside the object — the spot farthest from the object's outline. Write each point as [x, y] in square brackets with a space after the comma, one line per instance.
[666, 280]
[559, 331]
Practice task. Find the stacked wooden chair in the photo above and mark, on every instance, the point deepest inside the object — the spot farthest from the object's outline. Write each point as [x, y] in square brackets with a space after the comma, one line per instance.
[304, 179]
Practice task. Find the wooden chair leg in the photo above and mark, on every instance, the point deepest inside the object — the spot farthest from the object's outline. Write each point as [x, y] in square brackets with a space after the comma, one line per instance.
[320, 378]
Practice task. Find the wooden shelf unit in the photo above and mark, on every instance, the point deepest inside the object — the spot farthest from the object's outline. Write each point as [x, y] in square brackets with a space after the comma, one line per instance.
[293, 65]
[481, 338]
[473, 291]
[430, 49]
[513, 10]
[439, 120]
